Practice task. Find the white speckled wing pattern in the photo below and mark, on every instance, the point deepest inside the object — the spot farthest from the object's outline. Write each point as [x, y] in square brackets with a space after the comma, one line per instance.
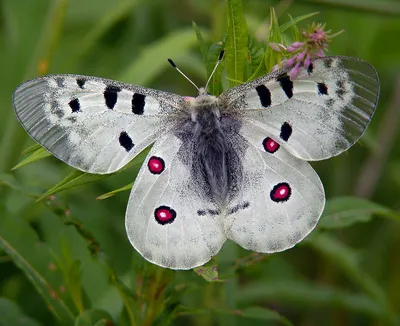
[283, 194]
[276, 123]
[93, 124]
[162, 219]
[319, 114]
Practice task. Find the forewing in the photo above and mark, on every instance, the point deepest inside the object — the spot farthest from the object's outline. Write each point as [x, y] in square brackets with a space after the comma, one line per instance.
[317, 115]
[93, 124]
[167, 221]
[281, 199]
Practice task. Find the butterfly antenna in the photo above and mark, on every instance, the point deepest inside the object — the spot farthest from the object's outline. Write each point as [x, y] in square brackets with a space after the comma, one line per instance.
[174, 65]
[221, 55]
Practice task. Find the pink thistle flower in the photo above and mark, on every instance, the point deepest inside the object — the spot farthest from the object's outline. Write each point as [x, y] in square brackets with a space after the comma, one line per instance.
[299, 54]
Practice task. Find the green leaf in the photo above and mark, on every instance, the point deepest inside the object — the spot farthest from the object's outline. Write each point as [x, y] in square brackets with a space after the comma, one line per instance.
[263, 314]
[272, 57]
[94, 317]
[79, 178]
[98, 29]
[201, 42]
[302, 294]
[10, 181]
[215, 85]
[256, 56]
[236, 42]
[36, 260]
[257, 313]
[344, 258]
[74, 279]
[75, 179]
[293, 21]
[209, 272]
[94, 248]
[343, 212]
[37, 155]
[11, 315]
[112, 193]
[148, 63]
[31, 149]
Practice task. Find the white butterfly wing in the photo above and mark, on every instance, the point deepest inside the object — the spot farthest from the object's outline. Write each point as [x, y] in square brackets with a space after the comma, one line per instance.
[281, 199]
[317, 115]
[93, 124]
[167, 221]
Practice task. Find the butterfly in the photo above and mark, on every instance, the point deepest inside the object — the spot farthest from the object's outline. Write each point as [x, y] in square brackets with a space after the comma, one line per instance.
[227, 167]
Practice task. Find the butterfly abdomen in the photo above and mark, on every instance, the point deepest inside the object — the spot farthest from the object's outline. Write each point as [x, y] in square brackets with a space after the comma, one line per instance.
[211, 147]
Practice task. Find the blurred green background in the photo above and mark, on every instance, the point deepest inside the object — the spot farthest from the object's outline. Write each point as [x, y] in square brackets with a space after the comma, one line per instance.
[55, 270]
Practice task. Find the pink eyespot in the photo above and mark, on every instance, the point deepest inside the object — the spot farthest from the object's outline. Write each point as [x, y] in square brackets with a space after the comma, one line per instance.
[156, 165]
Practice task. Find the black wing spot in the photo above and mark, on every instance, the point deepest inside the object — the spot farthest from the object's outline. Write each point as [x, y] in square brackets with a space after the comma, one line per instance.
[286, 131]
[327, 62]
[264, 94]
[81, 82]
[340, 88]
[56, 109]
[138, 101]
[111, 95]
[203, 212]
[322, 89]
[125, 141]
[238, 207]
[60, 82]
[286, 85]
[75, 105]
[330, 102]
[310, 68]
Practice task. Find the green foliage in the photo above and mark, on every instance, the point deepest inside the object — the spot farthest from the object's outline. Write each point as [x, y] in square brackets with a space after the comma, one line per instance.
[65, 260]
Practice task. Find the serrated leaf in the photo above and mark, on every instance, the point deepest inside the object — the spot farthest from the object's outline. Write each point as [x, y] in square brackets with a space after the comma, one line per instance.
[112, 193]
[236, 43]
[256, 59]
[294, 21]
[11, 315]
[345, 211]
[37, 155]
[36, 261]
[94, 317]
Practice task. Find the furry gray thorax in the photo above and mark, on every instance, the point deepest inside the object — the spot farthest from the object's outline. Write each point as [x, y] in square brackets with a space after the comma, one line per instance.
[212, 148]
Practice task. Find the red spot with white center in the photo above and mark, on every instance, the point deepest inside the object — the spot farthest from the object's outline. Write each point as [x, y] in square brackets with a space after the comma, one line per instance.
[270, 145]
[164, 215]
[156, 165]
[281, 192]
